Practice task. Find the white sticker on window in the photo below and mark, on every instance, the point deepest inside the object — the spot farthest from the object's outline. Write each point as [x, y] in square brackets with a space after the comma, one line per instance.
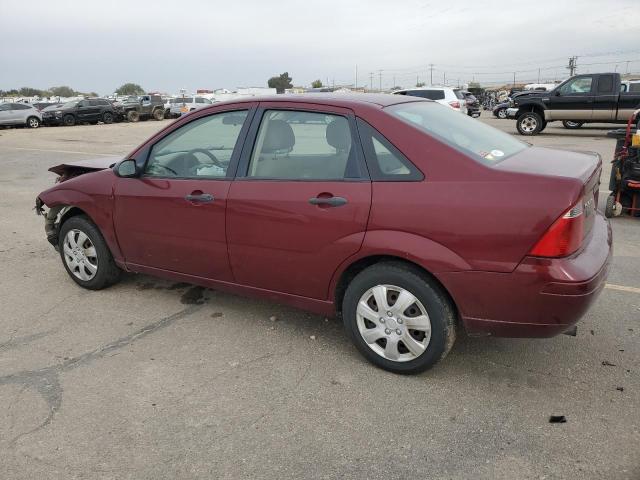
[497, 153]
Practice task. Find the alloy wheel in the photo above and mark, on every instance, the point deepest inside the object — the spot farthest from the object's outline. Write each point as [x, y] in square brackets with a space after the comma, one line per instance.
[34, 122]
[80, 255]
[528, 124]
[393, 323]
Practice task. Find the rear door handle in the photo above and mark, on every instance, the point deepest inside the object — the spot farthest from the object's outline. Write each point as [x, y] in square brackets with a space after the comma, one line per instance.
[202, 198]
[329, 201]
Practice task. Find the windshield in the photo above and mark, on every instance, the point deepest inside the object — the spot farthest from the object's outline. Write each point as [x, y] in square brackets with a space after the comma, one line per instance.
[482, 142]
[70, 104]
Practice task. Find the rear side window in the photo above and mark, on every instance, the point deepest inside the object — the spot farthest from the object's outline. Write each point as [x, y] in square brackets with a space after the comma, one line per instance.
[481, 142]
[385, 161]
[430, 94]
[298, 145]
[20, 106]
[605, 84]
[459, 94]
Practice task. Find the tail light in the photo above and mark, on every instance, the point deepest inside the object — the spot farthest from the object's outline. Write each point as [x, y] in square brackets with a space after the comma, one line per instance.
[455, 104]
[563, 237]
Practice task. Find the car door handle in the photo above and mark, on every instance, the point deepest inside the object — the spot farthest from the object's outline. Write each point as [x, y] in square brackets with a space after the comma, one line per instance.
[201, 198]
[329, 201]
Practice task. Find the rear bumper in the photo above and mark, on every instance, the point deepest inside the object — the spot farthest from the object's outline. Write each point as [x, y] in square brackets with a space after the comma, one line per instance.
[541, 297]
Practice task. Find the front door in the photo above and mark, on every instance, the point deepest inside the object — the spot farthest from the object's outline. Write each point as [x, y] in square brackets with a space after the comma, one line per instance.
[173, 217]
[572, 100]
[300, 204]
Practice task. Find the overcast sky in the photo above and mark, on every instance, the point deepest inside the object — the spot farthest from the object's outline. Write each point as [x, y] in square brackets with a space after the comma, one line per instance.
[167, 45]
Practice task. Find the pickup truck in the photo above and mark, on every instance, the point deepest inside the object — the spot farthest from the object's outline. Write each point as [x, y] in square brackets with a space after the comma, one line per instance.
[588, 98]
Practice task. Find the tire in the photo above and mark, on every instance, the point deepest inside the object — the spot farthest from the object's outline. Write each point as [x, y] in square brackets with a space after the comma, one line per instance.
[133, 116]
[107, 117]
[85, 255]
[33, 122]
[502, 113]
[571, 125]
[158, 114]
[69, 120]
[529, 123]
[167, 114]
[609, 208]
[429, 345]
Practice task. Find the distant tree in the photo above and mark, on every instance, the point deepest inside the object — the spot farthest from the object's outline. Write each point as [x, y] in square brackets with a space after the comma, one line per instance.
[396, 88]
[474, 85]
[30, 92]
[93, 94]
[316, 84]
[280, 83]
[420, 84]
[130, 89]
[63, 91]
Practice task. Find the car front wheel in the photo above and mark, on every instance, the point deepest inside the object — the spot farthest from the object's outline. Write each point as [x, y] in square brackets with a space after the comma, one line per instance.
[33, 122]
[85, 255]
[529, 123]
[502, 113]
[398, 318]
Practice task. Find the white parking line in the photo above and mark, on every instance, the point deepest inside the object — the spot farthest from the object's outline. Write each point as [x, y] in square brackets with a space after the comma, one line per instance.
[622, 288]
[62, 151]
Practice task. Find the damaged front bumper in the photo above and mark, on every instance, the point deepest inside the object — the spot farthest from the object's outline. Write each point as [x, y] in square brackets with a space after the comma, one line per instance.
[52, 218]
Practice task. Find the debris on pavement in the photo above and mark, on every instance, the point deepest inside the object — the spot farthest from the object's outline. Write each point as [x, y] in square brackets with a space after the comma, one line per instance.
[557, 419]
[607, 363]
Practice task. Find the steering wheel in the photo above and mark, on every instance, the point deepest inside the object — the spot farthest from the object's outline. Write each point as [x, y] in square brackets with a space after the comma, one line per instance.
[213, 158]
[165, 167]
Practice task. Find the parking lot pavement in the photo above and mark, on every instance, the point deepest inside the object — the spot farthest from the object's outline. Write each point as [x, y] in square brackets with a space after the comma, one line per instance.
[151, 379]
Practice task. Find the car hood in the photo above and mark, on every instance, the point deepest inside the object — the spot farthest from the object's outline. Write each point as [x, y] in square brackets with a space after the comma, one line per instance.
[92, 164]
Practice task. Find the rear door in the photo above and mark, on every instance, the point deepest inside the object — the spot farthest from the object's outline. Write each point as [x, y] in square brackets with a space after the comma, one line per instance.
[300, 203]
[572, 100]
[606, 98]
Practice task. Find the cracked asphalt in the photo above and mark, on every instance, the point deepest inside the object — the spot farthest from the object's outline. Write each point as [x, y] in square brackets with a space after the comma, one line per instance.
[151, 379]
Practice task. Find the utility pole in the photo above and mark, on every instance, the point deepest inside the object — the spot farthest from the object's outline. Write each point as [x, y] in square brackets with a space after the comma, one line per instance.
[444, 78]
[356, 84]
[538, 75]
[394, 82]
[572, 65]
[627, 71]
[431, 73]
[417, 80]
[514, 79]
[371, 80]
[380, 80]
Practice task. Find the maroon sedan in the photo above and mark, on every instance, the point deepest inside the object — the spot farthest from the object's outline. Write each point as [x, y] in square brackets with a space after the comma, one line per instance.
[405, 217]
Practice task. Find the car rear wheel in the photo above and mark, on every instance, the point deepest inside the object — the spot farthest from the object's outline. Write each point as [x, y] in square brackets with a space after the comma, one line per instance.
[571, 125]
[69, 120]
[158, 114]
[529, 123]
[133, 116]
[502, 113]
[398, 318]
[107, 117]
[85, 255]
[33, 122]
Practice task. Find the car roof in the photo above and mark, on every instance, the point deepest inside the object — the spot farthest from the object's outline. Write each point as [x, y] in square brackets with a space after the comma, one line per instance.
[346, 100]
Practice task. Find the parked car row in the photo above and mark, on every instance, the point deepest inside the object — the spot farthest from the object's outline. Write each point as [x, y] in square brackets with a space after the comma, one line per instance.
[459, 100]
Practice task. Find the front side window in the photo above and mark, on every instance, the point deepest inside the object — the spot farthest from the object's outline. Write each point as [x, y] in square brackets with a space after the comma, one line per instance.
[21, 106]
[577, 86]
[301, 145]
[200, 149]
[480, 141]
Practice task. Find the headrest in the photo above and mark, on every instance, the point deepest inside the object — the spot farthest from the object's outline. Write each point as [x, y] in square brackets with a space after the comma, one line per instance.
[279, 136]
[339, 135]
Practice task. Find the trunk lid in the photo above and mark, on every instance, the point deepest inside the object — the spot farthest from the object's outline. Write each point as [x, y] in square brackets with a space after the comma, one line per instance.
[584, 167]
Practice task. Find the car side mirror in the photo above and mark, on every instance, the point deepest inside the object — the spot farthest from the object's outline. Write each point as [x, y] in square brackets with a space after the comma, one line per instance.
[557, 93]
[127, 168]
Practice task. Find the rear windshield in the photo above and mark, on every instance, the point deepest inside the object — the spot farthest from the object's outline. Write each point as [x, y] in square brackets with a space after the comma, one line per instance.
[430, 94]
[482, 142]
[459, 94]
